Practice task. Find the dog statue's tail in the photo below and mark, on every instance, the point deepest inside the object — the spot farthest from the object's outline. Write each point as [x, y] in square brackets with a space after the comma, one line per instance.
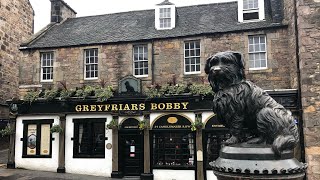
[289, 137]
[280, 126]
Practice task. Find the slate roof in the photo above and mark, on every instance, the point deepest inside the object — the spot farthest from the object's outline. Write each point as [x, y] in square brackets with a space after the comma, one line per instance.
[139, 25]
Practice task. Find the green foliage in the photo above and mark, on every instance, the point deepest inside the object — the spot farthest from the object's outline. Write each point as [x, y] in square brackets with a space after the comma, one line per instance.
[31, 96]
[65, 94]
[88, 91]
[56, 129]
[103, 94]
[197, 124]
[113, 124]
[143, 125]
[200, 89]
[51, 94]
[7, 131]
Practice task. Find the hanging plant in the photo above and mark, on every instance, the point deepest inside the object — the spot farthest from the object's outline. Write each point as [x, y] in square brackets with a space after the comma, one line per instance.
[143, 125]
[51, 94]
[113, 124]
[56, 129]
[65, 94]
[31, 96]
[197, 125]
[7, 131]
[103, 94]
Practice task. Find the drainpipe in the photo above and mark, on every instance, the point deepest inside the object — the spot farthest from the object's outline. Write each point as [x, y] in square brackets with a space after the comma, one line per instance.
[152, 62]
[299, 102]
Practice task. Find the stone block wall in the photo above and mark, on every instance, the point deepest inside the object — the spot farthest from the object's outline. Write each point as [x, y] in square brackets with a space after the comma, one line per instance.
[16, 25]
[115, 61]
[308, 24]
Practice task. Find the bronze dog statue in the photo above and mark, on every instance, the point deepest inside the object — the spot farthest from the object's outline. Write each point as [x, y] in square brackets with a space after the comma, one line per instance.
[247, 109]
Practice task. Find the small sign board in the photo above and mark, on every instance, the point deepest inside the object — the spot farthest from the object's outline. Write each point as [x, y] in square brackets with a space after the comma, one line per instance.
[130, 85]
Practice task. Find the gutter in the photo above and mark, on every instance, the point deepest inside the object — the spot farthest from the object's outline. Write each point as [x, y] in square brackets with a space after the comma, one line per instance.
[296, 33]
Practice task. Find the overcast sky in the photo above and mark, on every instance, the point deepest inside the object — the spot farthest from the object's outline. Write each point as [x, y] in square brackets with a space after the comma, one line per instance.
[96, 7]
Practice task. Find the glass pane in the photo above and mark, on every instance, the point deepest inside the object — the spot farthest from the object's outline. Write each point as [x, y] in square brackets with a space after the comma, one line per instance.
[256, 47]
[45, 139]
[192, 53]
[257, 63]
[98, 138]
[136, 72]
[31, 139]
[197, 67]
[250, 40]
[191, 45]
[193, 68]
[141, 71]
[187, 68]
[262, 39]
[198, 45]
[186, 45]
[262, 47]
[187, 53]
[145, 70]
[187, 61]
[83, 140]
[263, 63]
[197, 52]
[251, 48]
[251, 64]
[193, 61]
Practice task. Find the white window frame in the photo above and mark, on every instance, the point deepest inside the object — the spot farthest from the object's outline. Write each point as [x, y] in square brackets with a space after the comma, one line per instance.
[144, 54]
[257, 51]
[85, 63]
[259, 9]
[172, 16]
[50, 65]
[165, 15]
[194, 56]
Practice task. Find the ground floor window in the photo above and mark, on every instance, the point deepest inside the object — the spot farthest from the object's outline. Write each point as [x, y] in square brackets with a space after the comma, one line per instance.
[37, 140]
[212, 145]
[89, 138]
[173, 149]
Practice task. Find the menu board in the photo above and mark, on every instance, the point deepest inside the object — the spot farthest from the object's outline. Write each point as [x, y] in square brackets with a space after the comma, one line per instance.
[32, 139]
[45, 139]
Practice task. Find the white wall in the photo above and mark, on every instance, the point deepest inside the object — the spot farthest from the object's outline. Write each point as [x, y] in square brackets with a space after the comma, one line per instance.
[89, 166]
[42, 164]
[161, 174]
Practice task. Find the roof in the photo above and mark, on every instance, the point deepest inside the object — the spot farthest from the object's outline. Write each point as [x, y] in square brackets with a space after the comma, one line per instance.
[165, 2]
[140, 25]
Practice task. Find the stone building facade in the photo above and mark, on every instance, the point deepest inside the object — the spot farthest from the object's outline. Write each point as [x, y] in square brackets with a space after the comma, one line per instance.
[308, 31]
[288, 31]
[16, 26]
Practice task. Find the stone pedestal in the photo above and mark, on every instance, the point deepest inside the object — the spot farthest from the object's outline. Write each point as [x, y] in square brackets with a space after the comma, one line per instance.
[246, 161]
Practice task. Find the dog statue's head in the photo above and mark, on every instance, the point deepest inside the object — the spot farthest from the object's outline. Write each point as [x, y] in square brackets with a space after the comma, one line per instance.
[225, 69]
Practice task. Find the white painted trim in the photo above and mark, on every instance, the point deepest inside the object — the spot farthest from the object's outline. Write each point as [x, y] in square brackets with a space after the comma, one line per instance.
[172, 13]
[260, 10]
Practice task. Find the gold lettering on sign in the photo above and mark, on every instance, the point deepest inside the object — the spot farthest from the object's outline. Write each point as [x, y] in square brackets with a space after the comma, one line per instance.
[131, 107]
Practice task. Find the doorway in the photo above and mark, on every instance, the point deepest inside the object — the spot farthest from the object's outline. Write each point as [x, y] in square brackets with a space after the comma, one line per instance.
[131, 153]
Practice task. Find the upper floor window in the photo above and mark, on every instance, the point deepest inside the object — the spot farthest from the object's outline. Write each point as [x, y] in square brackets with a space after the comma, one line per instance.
[192, 57]
[257, 52]
[90, 63]
[46, 66]
[250, 10]
[165, 18]
[140, 60]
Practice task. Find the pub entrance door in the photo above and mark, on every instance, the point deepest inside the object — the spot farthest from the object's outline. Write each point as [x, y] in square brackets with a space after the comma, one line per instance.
[131, 153]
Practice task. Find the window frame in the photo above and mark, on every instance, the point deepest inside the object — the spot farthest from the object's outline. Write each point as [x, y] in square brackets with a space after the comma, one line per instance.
[96, 56]
[38, 123]
[51, 53]
[144, 46]
[184, 57]
[255, 52]
[75, 138]
[175, 167]
[169, 19]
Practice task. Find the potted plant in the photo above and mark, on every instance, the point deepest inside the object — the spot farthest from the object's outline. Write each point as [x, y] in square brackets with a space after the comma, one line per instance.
[196, 125]
[103, 94]
[143, 125]
[113, 124]
[56, 129]
[7, 131]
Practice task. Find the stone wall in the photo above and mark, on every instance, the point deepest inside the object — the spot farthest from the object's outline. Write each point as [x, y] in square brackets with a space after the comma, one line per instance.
[16, 25]
[115, 61]
[309, 53]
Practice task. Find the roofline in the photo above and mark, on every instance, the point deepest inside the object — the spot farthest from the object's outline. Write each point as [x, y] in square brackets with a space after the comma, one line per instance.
[68, 6]
[151, 39]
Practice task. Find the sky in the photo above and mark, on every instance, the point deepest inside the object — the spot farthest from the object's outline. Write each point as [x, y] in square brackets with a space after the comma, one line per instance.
[97, 7]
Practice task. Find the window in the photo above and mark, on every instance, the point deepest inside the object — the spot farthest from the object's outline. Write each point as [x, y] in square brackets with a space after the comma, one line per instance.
[250, 10]
[140, 60]
[37, 138]
[192, 57]
[165, 18]
[91, 63]
[89, 138]
[257, 52]
[173, 149]
[46, 66]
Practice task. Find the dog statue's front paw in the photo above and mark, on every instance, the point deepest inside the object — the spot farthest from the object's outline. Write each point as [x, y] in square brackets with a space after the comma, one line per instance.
[257, 140]
[232, 140]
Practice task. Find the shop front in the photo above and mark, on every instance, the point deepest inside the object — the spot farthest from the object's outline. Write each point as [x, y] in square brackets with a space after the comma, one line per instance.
[155, 138]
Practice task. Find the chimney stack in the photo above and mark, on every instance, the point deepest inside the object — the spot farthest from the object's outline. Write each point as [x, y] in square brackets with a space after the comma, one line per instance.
[61, 11]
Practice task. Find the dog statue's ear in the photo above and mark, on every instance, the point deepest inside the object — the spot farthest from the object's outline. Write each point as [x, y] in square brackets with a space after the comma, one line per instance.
[207, 67]
[240, 59]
